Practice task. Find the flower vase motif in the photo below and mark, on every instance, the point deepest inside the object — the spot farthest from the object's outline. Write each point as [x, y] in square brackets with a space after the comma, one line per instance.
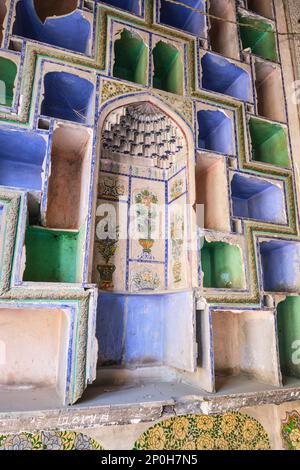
[107, 249]
[146, 220]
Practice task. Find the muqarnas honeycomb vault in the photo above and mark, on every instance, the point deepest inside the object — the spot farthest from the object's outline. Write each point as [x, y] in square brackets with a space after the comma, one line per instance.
[123, 115]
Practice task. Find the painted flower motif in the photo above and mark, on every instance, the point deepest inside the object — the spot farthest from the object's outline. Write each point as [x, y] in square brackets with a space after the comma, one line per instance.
[250, 430]
[83, 442]
[51, 440]
[188, 445]
[229, 423]
[295, 438]
[18, 442]
[205, 422]
[205, 442]
[156, 438]
[221, 444]
[180, 428]
[262, 445]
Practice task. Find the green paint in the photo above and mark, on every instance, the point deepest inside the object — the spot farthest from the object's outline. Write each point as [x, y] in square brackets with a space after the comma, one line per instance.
[168, 68]
[51, 255]
[288, 320]
[222, 266]
[269, 142]
[261, 42]
[131, 58]
[8, 73]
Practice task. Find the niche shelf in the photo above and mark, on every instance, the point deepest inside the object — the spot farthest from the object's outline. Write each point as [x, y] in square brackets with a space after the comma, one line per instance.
[131, 58]
[212, 191]
[240, 355]
[280, 261]
[288, 324]
[181, 17]
[8, 74]
[36, 352]
[132, 6]
[21, 169]
[53, 255]
[262, 7]
[168, 68]
[57, 23]
[67, 96]
[222, 265]
[258, 35]
[215, 131]
[68, 182]
[223, 76]
[223, 35]
[145, 335]
[269, 91]
[269, 142]
[257, 198]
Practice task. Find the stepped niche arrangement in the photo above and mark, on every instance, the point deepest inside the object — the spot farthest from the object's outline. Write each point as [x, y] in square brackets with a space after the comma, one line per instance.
[149, 195]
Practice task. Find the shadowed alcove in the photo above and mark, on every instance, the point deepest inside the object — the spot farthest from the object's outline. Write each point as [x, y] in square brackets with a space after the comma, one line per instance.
[131, 58]
[288, 321]
[223, 34]
[168, 68]
[8, 73]
[262, 7]
[54, 22]
[259, 36]
[67, 96]
[133, 6]
[269, 89]
[182, 17]
[269, 142]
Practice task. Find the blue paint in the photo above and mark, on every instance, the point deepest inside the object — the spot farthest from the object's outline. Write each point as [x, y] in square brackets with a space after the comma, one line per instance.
[180, 17]
[131, 329]
[255, 198]
[67, 96]
[69, 31]
[128, 5]
[21, 158]
[215, 132]
[222, 76]
[280, 266]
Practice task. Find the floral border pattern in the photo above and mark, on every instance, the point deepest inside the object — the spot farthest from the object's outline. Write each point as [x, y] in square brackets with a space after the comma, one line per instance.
[48, 440]
[230, 431]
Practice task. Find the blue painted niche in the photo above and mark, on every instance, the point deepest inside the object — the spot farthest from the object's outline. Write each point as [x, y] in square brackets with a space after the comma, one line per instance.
[280, 266]
[255, 198]
[222, 76]
[133, 6]
[67, 96]
[21, 158]
[180, 17]
[72, 31]
[139, 330]
[215, 132]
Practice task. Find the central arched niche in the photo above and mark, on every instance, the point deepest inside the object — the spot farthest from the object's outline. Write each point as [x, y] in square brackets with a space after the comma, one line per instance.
[146, 311]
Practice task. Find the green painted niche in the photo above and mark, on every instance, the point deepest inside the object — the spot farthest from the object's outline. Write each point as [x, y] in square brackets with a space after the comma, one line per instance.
[222, 266]
[255, 34]
[51, 255]
[269, 142]
[288, 322]
[131, 58]
[168, 68]
[8, 73]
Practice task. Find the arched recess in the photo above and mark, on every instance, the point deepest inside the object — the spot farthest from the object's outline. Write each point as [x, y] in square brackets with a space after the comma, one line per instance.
[3, 11]
[131, 58]
[145, 287]
[8, 73]
[168, 68]
[117, 109]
